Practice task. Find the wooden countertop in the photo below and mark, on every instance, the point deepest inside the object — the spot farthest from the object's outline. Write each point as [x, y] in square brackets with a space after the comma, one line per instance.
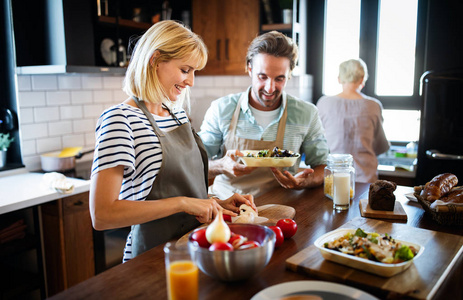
[144, 276]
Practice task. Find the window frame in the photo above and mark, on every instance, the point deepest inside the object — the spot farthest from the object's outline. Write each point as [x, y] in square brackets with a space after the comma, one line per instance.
[369, 15]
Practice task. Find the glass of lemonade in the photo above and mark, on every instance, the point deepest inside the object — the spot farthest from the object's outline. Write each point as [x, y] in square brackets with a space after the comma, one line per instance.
[181, 273]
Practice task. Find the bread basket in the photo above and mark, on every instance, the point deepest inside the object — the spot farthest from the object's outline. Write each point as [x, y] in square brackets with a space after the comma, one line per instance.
[450, 214]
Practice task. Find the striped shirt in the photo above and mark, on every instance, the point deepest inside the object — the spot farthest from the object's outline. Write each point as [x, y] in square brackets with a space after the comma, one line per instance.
[303, 134]
[124, 136]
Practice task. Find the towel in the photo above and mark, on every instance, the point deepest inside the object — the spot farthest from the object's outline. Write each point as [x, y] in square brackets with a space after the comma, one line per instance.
[58, 182]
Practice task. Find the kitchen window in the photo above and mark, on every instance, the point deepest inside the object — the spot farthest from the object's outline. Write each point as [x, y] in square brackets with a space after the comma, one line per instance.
[385, 34]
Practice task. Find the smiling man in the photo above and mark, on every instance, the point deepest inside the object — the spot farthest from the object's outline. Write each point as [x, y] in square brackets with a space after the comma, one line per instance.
[264, 117]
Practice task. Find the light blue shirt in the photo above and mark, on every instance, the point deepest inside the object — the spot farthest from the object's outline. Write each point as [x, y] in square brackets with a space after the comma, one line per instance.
[304, 132]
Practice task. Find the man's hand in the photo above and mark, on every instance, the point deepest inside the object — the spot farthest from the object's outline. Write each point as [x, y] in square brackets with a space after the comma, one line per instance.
[305, 179]
[229, 165]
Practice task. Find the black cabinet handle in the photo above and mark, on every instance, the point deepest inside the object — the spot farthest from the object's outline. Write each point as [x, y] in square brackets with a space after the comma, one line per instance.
[218, 49]
[226, 49]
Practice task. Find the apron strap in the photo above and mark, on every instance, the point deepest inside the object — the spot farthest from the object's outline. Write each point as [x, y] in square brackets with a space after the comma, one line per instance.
[281, 125]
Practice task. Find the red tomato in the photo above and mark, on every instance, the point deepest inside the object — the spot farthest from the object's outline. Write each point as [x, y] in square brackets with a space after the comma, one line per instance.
[288, 226]
[227, 218]
[249, 245]
[237, 240]
[278, 234]
[221, 246]
[200, 237]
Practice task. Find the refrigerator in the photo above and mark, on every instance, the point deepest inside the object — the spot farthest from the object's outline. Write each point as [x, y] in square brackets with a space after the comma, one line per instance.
[440, 145]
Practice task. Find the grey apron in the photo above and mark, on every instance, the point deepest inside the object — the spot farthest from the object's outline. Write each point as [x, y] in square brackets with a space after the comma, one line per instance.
[183, 173]
[261, 179]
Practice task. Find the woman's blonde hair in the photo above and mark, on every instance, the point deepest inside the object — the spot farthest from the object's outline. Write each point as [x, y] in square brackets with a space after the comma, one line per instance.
[164, 41]
[353, 70]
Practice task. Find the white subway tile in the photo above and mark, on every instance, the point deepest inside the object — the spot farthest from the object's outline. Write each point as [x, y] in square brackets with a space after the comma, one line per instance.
[31, 99]
[28, 148]
[46, 114]
[32, 163]
[33, 131]
[58, 97]
[103, 96]
[59, 128]
[81, 126]
[222, 81]
[242, 81]
[90, 139]
[44, 82]
[204, 81]
[71, 112]
[51, 144]
[24, 83]
[26, 116]
[81, 97]
[92, 82]
[94, 110]
[69, 82]
[214, 93]
[119, 96]
[74, 140]
[235, 90]
[197, 92]
[112, 82]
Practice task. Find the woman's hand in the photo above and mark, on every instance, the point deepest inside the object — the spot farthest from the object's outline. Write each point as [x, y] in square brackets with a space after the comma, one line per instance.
[205, 210]
[232, 205]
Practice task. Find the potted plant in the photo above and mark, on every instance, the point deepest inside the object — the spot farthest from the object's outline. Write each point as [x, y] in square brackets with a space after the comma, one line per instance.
[5, 142]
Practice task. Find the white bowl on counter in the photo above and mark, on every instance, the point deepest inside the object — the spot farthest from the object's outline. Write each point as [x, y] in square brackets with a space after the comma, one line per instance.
[382, 269]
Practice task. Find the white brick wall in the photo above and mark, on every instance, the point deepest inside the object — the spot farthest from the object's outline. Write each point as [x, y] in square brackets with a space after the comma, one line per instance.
[57, 111]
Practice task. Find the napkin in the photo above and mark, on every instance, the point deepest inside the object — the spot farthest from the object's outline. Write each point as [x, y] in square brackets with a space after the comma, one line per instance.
[58, 182]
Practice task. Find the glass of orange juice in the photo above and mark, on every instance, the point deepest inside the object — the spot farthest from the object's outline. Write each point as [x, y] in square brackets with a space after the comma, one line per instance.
[181, 273]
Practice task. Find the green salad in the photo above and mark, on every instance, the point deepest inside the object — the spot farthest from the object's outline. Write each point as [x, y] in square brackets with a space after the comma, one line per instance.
[373, 246]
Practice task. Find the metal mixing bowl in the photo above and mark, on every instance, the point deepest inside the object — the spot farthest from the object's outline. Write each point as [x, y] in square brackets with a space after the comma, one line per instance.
[239, 264]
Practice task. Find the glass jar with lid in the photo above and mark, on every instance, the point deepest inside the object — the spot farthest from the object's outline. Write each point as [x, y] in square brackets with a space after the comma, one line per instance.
[339, 163]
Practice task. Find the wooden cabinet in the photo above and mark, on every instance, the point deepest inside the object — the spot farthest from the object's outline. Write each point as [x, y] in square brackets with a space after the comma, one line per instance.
[67, 242]
[227, 28]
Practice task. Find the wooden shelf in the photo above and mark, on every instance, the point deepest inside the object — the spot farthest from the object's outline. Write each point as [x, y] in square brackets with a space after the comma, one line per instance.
[124, 22]
[269, 27]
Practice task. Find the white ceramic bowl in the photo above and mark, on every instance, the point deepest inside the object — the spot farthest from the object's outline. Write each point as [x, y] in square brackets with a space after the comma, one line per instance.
[277, 162]
[382, 269]
[240, 264]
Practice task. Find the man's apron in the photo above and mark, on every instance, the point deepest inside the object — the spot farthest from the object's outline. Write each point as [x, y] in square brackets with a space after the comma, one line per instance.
[261, 179]
[183, 173]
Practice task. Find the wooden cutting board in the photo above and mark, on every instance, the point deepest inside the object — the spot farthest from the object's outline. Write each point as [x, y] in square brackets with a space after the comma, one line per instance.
[273, 212]
[397, 214]
[421, 280]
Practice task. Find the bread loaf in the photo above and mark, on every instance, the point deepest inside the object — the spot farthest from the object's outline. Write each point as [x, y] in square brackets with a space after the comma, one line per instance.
[381, 195]
[438, 186]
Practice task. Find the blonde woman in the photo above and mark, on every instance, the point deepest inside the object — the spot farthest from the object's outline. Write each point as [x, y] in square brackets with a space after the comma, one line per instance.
[353, 121]
[150, 168]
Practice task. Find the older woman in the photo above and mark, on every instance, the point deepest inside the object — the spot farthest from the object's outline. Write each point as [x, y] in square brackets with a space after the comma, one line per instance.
[353, 121]
[150, 168]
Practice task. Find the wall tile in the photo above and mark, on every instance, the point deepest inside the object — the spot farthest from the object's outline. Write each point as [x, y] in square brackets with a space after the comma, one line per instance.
[61, 128]
[204, 81]
[112, 82]
[31, 99]
[58, 98]
[24, 83]
[46, 114]
[51, 144]
[92, 82]
[81, 97]
[71, 112]
[94, 110]
[69, 82]
[242, 81]
[44, 82]
[26, 116]
[33, 131]
[74, 140]
[119, 96]
[28, 148]
[103, 96]
[82, 126]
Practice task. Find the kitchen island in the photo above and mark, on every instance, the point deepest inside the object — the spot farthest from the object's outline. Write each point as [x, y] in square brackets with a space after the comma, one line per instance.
[144, 276]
